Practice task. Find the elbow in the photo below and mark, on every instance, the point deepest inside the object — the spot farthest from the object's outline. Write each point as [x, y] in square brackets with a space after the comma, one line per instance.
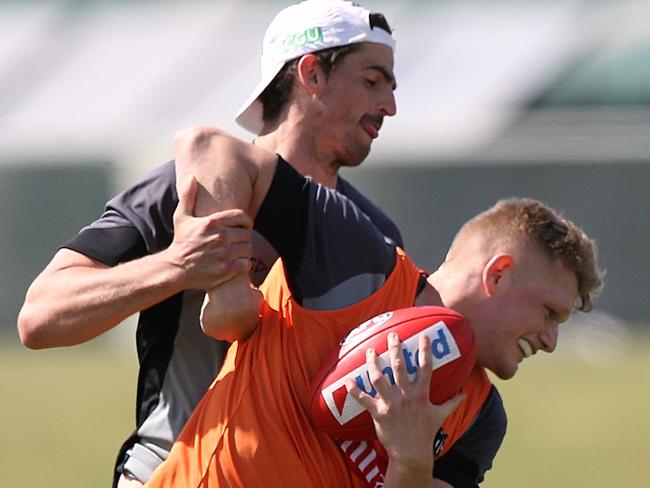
[194, 140]
[239, 328]
[238, 332]
[195, 135]
[191, 146]
[30, 329]
[199, 146]
[226, 323]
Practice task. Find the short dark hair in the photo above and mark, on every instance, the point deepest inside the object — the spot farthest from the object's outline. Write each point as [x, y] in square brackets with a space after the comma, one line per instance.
[277, 94]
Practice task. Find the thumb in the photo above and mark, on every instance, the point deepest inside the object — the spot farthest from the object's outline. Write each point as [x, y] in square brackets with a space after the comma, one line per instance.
[187, 191]
[450, 406]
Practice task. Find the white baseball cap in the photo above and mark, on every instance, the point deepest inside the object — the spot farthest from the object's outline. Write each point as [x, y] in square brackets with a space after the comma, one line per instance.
[304, 28]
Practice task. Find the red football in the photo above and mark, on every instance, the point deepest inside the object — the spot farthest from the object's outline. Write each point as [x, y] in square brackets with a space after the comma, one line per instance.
[454, 354]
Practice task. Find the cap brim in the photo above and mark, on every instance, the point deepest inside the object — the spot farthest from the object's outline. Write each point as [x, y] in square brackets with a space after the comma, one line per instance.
[249, 115]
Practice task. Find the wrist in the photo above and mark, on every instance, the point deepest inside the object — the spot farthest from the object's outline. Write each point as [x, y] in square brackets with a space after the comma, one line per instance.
[162, 271]
[410, 472]
[231, 310]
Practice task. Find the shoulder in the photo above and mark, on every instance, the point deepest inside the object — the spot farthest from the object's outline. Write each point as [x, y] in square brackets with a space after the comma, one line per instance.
[135, 222]
[334, 253]
[156, 189]
[383, 222]
[156, 185]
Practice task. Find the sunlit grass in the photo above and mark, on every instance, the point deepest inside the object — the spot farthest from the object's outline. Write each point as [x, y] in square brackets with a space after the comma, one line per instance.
[64, 414]
[572, 423]
[576, 424]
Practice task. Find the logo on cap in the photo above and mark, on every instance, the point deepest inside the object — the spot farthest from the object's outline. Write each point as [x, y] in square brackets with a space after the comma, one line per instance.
[308, 36]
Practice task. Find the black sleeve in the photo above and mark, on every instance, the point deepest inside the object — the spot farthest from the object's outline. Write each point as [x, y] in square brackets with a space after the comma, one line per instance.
[376, 214]
[465, 464]
[333, 254]
[136, 222]
[282, 217]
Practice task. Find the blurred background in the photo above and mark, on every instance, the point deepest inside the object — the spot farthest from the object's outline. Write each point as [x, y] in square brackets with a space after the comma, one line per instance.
[496, 98]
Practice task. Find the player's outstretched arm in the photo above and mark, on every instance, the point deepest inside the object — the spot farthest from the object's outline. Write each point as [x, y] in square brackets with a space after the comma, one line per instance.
[409, 443]
[77, 298]
[231, 174]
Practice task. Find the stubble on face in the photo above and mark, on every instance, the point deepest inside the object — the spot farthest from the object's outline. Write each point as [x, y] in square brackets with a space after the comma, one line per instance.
[352, 110]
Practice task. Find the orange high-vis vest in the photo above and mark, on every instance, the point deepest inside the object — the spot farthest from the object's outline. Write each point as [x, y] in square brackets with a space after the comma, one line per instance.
[252, 428]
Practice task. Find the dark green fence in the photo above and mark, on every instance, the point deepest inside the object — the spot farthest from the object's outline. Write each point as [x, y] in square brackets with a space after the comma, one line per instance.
[40, 208]
[610, 201]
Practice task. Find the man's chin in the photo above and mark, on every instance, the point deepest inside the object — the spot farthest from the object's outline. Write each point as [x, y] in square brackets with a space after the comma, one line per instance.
[350, 162]
[357, 156]
[504, 372]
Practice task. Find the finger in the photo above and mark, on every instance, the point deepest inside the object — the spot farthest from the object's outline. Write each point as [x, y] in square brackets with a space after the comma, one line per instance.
[187, 191]
[376, 376]
[239, 251]
[242, 265]
[229, 242]
[223, 277]
[240, 236]
[359, 395]
[227, 238]
[396, 355]
[233, 217]
[230, 270]
[450, 406]
[425, 360]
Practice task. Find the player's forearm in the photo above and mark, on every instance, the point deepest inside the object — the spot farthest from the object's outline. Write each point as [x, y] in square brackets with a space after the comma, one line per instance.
[71, 305]
[409, 475]
[405, 476]
[231, 174]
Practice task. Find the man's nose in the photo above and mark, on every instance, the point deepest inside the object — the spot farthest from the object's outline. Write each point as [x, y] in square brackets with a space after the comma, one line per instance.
[388, 105]
[548, 338]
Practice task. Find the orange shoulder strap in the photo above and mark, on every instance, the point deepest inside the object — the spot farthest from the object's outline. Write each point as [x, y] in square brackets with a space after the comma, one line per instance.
[476, 389]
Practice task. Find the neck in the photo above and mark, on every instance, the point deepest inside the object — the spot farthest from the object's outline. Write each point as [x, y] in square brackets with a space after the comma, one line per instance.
[428, 296]
[300, 149]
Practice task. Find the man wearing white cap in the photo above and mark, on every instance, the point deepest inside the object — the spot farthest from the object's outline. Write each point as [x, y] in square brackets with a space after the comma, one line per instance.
[305, 107]
[327, 84]
[321, 111]
[515, 272]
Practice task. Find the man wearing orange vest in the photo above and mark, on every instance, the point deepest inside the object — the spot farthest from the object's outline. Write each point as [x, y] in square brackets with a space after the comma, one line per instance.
[515, 272]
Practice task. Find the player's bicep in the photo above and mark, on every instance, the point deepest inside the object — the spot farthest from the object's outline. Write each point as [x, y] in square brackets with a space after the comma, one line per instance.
[109, 245]
[68, 258]
[65, 265]
[134, 223]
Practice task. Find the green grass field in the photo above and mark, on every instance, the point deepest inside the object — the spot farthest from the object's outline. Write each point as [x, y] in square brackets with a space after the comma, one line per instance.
[64, 414]
[571, 423]
[577, 424]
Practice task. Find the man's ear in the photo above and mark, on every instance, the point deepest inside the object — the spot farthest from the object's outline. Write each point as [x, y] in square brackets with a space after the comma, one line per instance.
[309, 74]
[494, 270]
